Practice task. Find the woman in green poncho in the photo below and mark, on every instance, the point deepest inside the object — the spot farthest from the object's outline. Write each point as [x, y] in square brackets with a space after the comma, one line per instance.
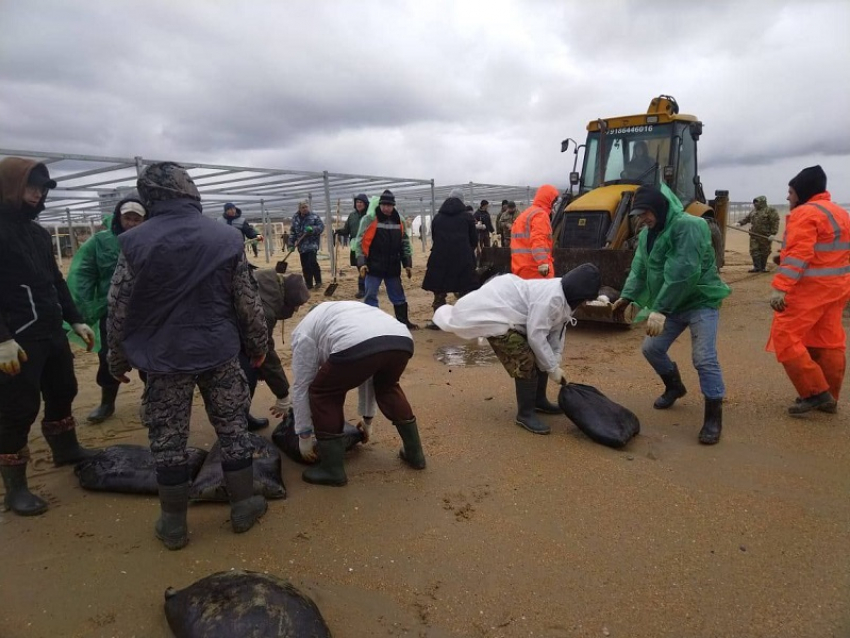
[674, 279]
[89, 278]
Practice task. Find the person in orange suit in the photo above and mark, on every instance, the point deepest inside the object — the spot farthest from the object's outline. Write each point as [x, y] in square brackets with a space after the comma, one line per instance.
[810, 290]
[531, 237]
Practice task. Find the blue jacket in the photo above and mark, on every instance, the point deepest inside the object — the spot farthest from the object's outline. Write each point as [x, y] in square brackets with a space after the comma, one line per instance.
[310, 243]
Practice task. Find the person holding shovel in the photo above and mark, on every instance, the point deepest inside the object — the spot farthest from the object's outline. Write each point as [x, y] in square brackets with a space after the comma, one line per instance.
[305, 233]
[764, 224]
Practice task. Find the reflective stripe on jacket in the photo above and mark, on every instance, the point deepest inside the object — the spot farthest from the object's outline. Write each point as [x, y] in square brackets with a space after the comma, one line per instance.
[815, 257]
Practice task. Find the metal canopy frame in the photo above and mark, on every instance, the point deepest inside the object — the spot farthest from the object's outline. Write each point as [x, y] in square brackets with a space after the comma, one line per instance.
[90, 186]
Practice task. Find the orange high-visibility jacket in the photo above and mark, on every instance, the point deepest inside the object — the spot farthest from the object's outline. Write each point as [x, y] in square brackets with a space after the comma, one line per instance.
[531, 236]
[814, 271]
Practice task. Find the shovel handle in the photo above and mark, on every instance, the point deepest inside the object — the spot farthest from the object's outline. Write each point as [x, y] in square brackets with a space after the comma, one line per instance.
[741, 230]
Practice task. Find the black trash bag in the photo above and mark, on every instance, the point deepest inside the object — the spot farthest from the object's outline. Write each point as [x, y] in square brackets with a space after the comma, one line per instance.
[241, 603]
[128, 469]
[209, 484]
[598, 416]
[285, 438]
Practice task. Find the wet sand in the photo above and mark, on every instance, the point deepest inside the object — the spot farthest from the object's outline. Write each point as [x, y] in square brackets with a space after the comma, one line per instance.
[505, 533]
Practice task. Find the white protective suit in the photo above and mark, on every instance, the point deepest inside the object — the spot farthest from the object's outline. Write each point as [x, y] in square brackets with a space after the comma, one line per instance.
[535, 307]
[332, 327]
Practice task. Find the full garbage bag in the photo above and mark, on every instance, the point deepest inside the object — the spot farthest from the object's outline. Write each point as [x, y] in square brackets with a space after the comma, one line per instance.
[209, 483]
[128, 469]
[600, 418]
[243, 603]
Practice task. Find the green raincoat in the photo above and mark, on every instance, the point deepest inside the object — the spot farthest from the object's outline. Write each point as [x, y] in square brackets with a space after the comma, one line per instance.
[354, 244]
[680, 273]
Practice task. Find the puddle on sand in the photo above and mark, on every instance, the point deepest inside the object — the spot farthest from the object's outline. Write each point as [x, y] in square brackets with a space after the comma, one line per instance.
[466, 355]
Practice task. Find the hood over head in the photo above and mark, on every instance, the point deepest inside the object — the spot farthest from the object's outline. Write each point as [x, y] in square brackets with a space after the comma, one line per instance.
[808, 183]
[649, 198]
[452, 206]
[361, 197]
[164, 181]
[545, 197]
[131, 202]
[15, 174]
[581, 284]
[295, 294]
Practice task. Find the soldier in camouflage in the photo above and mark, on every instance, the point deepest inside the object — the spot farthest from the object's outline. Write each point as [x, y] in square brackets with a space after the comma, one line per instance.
[504, 222]
[181, 306]
[763, 220]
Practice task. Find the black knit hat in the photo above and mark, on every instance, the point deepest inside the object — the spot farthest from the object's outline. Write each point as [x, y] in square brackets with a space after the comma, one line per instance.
[808, 183]
[387, 197]
[484, 203]
[504, 202]
[649, 198]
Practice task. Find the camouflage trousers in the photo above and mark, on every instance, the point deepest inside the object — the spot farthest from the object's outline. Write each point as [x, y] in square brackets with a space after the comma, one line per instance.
[167, 406]
[759, 248]
[516, 355]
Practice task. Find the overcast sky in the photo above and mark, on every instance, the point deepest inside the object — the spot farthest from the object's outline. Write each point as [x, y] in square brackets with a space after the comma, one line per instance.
[455, 90]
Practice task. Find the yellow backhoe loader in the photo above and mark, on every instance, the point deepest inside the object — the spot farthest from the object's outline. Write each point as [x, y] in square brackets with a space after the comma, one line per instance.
[592, 223]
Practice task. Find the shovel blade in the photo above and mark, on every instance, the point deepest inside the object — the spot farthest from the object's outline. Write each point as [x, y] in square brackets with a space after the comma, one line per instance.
[331, 289]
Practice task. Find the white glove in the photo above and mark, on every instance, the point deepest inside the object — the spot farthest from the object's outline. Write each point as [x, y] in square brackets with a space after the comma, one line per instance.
[772, 237]
[12, 356]
[480, 226]
[85, 333]
[281, 407]
[557, 375]
[307, 447]
[655, 324]
[543, 269]
[365, 427]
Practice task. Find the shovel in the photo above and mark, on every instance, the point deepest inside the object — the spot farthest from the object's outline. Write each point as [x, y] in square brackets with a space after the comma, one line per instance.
[741, 230]
[281, 266]
[331, 289]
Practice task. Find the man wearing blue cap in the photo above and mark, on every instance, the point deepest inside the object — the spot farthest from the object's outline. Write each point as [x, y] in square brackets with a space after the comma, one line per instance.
[233, 217]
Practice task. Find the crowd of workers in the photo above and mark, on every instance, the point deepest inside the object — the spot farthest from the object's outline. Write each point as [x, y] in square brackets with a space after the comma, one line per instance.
[174, 297]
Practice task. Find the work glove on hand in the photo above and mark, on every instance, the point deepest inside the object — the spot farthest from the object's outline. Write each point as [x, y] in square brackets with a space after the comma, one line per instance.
[308, 230]
[365, 427]
[12, 355]
[480, 226]
[557, 375]
[364, 270]
[307, 447]
[543, 269]
[772, 237]
[281, 407]
[408, 271]
[777, 299]
[85, 333]
[618, 308]
[655, 324]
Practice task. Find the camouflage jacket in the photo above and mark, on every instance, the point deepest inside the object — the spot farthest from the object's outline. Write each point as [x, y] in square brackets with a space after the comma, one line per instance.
[764, 219]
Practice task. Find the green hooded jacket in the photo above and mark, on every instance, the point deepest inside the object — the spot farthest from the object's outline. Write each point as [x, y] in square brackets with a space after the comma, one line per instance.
[680, 273]
[91, 273]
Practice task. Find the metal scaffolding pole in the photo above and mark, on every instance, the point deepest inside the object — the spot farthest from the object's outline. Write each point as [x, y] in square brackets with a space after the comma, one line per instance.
[72, 240]
[329, 226]
[58, 244]
[265, 230]
[433, 208]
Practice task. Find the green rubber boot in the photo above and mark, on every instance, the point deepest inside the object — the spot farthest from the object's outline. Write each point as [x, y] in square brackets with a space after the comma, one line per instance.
[411, 452]
[330, 470]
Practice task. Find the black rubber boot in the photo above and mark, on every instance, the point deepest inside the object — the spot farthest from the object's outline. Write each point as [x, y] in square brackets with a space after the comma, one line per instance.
[361, 288]
[401, 315]
[675, 389]
[755, 267]
[245, 507]
[822, 401]
[171, 527]
[712, 423]
[411, 452]
[255, 423]
[541, 403]
[330, 469]
[829, 408]
[61, 436]
[18, 498]
[526, 398]
[107, 405]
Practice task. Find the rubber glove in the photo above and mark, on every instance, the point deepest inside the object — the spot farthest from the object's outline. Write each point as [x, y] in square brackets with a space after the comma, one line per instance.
[409, 272]
[777, 299]
[281, 407]
[365, 427]
[543, 269]
[619, 307]
[557, 375]
[12, 356]
[655, 324]
[308, 230]
[307, 447]
[364, 270]
[85, 333]
[480, 226]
